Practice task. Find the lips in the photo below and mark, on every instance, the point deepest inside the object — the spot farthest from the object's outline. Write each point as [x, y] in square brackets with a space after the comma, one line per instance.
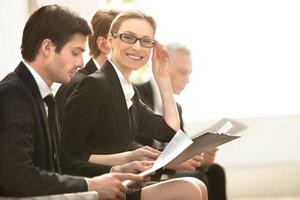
[134, 57]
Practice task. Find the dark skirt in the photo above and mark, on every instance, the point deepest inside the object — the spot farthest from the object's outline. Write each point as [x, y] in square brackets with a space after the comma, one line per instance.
[133, 194]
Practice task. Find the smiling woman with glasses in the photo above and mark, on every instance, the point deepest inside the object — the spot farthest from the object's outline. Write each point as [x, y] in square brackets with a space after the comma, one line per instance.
[113, 113]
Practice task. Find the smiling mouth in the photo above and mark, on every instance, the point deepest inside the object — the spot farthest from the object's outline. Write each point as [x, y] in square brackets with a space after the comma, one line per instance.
[134, 57]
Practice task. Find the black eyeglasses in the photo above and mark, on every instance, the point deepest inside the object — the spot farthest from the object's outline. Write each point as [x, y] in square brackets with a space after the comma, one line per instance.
[131, 39]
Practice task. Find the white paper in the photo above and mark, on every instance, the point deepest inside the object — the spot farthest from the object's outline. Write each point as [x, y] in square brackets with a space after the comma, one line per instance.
[178, 144]
[182, 147]
[225, 128]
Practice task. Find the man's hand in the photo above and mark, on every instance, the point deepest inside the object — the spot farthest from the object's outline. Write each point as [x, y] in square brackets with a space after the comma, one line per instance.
[109, 186]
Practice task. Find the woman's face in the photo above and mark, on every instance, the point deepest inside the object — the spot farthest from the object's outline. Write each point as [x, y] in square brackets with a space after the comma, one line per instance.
[128, 56]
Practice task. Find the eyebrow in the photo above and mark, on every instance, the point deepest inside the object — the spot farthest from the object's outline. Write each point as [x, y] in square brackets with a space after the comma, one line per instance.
[79, 48]
[129, 32]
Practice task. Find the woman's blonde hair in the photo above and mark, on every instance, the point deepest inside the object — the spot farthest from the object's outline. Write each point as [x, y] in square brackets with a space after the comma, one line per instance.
[130, 14]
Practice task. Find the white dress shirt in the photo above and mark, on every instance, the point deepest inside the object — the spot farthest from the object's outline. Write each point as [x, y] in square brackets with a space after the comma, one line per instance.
[126, 86]
[97, 64]
[42, 85]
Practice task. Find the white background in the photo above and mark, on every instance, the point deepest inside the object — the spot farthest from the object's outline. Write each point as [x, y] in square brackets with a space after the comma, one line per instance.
[245, 53]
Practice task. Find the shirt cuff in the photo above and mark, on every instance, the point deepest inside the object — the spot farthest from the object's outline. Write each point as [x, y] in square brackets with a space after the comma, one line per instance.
[87, 183]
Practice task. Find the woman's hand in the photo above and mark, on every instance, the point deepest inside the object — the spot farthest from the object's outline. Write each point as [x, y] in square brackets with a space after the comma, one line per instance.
[160, 62]
[190, 164]
[209, 156]
[143, 153]
[133, 167]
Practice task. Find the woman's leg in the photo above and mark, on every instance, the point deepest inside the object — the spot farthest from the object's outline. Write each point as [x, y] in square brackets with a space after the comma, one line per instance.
[176, 189]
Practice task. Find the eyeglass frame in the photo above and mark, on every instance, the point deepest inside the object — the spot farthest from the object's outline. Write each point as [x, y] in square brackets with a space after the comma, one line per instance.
[119, 35]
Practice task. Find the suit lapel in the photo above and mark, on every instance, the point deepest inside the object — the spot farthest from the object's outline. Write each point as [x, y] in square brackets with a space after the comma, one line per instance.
[28, 79]
[118, 99]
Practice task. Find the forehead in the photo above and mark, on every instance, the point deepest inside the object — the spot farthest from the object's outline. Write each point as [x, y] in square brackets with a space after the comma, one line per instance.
[182, 61]
[139, 27]
[77, 41]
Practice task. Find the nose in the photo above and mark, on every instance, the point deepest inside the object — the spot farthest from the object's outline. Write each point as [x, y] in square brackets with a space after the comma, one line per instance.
[187, 80]
[79, 62]
[137, 44]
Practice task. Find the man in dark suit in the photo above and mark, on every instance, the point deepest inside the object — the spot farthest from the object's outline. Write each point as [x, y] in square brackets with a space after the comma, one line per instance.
[98, 51]
[30, 153]
[180, 69]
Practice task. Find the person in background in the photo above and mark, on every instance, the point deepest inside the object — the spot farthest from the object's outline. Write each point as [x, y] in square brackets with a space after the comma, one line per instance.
[180, 69]
[104, 112]
[100, 22]
[29, 135]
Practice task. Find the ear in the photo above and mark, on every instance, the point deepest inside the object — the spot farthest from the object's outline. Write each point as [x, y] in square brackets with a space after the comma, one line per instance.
[47, 47]
[109, 40]
[102, 45]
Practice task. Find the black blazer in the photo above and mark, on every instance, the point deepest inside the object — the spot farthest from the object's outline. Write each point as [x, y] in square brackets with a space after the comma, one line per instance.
[147, 96]
[27, 167]
[96, 117]
[65, 90]
[69, 164]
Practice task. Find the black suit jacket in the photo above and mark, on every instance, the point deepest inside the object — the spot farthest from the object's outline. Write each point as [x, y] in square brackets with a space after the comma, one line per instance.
[147, 96]
[70, 164]
[97, 119]
[27, 167]
[65, 90]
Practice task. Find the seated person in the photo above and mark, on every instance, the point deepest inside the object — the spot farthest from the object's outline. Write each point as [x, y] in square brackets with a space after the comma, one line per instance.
[180, 69]
[29, 138]
[98, 50]
[104, 112]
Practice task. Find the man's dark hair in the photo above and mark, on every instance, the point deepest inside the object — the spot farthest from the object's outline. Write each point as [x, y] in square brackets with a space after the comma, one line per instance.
[51, 22]
[101, 22]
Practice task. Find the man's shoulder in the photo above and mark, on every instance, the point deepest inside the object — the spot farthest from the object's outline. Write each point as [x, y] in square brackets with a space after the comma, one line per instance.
[143, 86]
[145, 89]
[13, 84]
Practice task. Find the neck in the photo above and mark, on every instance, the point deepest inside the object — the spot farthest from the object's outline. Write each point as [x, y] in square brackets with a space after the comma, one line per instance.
[124, 70]
[40, 69]
[101, 59]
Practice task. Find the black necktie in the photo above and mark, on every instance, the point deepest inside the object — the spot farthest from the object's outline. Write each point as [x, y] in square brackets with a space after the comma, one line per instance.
[53, 122]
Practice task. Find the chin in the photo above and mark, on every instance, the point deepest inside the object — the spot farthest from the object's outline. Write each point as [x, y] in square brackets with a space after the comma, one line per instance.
[66, 80]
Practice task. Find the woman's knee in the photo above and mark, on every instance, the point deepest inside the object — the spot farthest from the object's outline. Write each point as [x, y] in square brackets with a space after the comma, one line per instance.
[179, 188]
[198, 183]
[191, 188]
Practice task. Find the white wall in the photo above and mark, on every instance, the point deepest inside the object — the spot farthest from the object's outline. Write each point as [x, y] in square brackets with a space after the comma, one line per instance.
[245, 53]
[265, 161]
[13, 15]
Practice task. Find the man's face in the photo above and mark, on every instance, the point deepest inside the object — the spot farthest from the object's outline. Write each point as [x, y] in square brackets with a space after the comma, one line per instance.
[180, 70]
[64, 64]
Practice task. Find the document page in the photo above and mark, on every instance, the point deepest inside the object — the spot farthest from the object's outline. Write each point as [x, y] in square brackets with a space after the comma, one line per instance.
[215, 135]
[182, 147]
[177, 145]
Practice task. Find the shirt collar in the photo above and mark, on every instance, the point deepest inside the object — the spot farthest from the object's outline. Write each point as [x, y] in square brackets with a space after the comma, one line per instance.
[43, 87]
[97, 64]
[126, 86]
